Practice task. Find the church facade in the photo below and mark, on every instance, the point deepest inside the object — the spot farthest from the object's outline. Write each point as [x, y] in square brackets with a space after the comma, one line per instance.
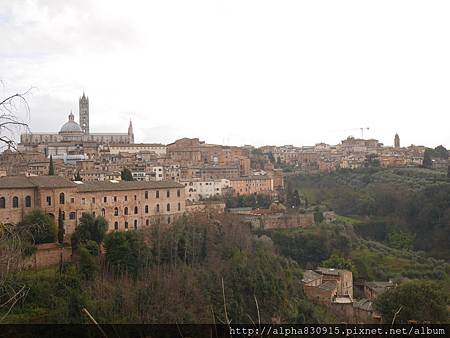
[74, 141]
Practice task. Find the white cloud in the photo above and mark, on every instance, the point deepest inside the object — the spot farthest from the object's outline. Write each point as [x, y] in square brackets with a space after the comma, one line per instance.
[263, 72]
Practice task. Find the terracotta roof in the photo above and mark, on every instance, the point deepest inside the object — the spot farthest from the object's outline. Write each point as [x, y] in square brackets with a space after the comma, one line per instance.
[309, 276]
[251, 178]
[11, 182]
[328, 286]
[363, 304]
[126, 185]
[329, 271]
[379, 287]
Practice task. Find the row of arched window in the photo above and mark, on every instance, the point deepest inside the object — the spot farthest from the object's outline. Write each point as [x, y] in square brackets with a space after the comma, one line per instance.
[62, 196]
[15, 202]
[135, 223]
[136, 210]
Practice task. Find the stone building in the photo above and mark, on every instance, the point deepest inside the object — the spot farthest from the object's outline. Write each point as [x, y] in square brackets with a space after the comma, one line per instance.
[343, 279]
[252, 185]
[125, 205]
[373, 289]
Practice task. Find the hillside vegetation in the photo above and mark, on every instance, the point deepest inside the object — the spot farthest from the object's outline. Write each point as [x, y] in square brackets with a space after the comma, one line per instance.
[188, 273]
[403, 208]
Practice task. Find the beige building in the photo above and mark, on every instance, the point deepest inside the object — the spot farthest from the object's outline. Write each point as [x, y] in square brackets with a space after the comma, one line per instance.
[125, 205]
[252, 185]
[116, 148]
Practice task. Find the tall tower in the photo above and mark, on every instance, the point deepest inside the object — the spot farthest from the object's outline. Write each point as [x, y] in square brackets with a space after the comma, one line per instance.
[130, 133]
[396, 141]
[84, 113]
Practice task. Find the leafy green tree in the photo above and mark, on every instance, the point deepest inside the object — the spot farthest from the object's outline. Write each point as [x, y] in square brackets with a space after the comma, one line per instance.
[41, 225]
[125, 251]
[422, 301]
[441, 152]
[61, 230]
[400, 239]
[51, 167]
[318, 217]
[89, 228]
[338, 262]
[126, 175]
[89, 263]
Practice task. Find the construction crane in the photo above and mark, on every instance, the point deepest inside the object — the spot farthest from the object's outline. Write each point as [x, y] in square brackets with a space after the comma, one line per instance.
[361, 129]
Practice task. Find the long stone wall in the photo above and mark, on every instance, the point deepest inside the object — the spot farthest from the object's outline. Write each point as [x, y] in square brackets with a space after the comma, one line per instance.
[48, 254]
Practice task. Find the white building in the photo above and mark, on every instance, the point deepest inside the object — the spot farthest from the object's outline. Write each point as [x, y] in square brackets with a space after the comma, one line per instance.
[201, 189]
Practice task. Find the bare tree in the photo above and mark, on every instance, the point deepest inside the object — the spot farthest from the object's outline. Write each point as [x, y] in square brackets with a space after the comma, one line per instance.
[13, 244]
[10, 122]
[13, 240]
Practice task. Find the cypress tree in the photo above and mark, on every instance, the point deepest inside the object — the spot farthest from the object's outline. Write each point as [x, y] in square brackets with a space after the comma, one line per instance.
[61, 230]
[77, 176]
[51, 167]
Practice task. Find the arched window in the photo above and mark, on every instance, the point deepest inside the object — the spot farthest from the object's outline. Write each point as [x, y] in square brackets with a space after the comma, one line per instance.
[15, 202]
[179, 206]
[28, 201]
[126, 225]
[178, 193]
[135, 223]
[146, 209]
[61, 198]
[72, 215]
[116, 225]
[168, 193]
[2, 202]
[168, 206]
[147, 222]
[168, 220]
[157, 193]
[116, 211]
[103, 212]
[125, 211]
[157, 208]
[135, 210]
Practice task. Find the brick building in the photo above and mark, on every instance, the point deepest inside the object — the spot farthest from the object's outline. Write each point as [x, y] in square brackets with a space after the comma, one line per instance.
[252, 185]
[125, 205]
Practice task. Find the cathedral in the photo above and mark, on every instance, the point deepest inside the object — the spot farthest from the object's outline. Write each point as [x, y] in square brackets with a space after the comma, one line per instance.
[74, 141]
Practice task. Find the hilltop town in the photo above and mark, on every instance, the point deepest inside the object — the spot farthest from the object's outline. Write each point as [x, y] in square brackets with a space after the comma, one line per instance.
[293, 198]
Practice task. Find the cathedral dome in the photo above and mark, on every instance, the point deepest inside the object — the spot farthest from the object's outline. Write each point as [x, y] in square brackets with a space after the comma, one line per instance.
[71, 126]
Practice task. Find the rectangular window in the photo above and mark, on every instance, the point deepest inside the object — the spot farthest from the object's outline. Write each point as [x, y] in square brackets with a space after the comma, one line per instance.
[49, 200]
[115, 198]
[105, 199]
[126, 198]
[93, 200]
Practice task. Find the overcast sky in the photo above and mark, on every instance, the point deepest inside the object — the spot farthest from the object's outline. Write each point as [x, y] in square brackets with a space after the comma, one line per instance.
[240, 72]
